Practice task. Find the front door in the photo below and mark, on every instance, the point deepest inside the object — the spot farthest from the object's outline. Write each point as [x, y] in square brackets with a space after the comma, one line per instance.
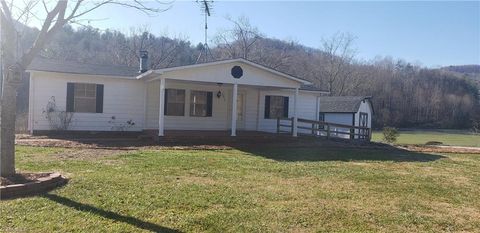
[241, 110]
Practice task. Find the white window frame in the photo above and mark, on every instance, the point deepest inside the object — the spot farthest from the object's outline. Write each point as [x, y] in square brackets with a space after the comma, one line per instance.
[84, 97]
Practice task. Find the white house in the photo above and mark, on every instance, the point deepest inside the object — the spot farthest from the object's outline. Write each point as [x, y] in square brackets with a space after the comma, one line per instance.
[228, 95]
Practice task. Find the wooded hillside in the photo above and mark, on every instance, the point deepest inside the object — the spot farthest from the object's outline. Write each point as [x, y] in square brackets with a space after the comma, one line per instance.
[404, 94]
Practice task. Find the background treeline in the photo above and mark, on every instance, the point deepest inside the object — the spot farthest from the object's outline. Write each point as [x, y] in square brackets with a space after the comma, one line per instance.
[404, 94]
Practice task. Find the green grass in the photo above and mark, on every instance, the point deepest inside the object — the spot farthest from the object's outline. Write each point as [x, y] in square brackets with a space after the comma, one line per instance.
[264, 190]
[447, 137]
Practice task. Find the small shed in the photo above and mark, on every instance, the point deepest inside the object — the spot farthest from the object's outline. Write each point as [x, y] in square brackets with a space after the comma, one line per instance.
[346, 110]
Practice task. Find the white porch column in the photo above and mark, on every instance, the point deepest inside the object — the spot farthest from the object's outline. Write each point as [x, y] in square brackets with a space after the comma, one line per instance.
[161, 107]
[234, 110]
[295, 117]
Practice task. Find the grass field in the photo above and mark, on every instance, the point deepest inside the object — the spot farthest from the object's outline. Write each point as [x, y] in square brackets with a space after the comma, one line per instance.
[447, 137]
[264, 190]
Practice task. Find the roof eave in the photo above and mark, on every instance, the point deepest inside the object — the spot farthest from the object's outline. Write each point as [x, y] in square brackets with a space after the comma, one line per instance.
[77, 73]
[304, 82]
[149, 73]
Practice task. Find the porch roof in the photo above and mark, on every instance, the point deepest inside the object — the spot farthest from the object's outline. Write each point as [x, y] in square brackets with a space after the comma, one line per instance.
[157, 72]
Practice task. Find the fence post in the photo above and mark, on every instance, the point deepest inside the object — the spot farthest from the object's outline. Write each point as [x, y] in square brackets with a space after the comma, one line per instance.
[313, 129]
[369, 132]
[328, 131]
[292, 119]
[278, 125]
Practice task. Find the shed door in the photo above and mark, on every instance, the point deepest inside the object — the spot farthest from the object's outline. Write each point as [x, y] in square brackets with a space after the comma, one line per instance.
[363, 121]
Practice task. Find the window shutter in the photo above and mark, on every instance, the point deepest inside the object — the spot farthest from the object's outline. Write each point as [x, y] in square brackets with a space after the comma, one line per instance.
[285, 107]
[165, 98]
[99, 98]
[267, 107]
[209, 103]
[70, 97]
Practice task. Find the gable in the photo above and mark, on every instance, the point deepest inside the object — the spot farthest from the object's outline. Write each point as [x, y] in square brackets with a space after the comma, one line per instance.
[220, 72]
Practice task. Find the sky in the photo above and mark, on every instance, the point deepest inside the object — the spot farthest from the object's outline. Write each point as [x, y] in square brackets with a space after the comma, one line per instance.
[431, 34]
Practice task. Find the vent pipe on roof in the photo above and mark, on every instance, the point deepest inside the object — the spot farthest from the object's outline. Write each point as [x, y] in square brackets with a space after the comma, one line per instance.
[143, 61]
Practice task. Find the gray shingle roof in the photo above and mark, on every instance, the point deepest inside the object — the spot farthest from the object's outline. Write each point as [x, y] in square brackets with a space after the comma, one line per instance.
[341, 104]
[44, 64]
[311, 88]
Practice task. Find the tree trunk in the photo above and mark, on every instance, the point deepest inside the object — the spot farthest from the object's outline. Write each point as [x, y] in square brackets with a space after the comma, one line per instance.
[7, 124]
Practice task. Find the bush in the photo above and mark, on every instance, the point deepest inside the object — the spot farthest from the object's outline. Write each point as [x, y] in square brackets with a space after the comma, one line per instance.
[390, 134]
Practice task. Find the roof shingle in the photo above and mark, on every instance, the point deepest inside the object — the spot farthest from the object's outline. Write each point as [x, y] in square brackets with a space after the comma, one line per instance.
[44, 64]
[341, 104]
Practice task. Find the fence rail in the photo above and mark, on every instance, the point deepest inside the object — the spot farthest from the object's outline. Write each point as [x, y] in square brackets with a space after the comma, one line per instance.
[322, 128]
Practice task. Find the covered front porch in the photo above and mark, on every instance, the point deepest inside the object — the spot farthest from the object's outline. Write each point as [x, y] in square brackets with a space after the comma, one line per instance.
[225, 110]
[208, 97]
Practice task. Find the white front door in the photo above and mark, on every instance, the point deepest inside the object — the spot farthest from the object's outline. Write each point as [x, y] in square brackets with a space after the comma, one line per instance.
[241, 110]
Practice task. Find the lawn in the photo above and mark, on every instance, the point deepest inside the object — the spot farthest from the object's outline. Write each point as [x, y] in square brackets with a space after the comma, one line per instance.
[249, 190]
[447, 137]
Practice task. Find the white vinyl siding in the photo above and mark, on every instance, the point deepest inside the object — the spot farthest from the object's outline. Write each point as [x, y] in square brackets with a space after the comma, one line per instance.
[123, 98]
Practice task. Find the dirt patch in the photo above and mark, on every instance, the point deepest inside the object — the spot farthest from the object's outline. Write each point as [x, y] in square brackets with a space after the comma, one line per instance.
[442, 149]
[21, 178]
[88, 154]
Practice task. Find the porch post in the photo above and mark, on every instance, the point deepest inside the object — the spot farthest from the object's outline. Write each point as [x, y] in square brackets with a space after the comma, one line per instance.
[295, 117]
[234, 110]
[161, 108]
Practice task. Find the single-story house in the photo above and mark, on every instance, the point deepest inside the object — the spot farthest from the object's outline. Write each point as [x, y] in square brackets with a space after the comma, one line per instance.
[227, 95]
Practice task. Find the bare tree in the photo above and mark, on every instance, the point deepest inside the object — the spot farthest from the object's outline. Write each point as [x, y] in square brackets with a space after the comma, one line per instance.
[238, 41]
[163, 50]
[337, 68]
[58, 14]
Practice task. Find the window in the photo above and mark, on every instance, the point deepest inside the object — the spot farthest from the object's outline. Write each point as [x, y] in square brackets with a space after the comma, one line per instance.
[174, 102]
[321, 116]
[276, 106]
[200, 103]
[84, 97]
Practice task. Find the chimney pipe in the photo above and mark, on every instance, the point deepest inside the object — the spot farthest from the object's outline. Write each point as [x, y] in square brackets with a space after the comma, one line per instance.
[143, 61]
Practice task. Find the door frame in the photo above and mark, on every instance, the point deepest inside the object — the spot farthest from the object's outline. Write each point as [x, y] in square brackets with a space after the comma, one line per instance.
[241, 124]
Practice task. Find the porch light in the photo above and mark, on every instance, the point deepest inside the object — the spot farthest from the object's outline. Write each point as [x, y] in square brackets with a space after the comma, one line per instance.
[219, 93]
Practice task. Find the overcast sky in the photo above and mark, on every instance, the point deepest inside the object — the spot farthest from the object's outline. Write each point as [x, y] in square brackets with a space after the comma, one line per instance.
[431, 33]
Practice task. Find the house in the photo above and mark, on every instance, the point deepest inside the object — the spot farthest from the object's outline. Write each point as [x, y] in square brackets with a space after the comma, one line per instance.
[229, 95]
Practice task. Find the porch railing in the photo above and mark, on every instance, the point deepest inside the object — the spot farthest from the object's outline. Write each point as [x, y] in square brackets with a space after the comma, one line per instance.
[323, 129]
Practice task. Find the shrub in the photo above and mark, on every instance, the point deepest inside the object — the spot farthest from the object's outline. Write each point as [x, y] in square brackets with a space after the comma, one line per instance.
[390, 134]
[57, 119]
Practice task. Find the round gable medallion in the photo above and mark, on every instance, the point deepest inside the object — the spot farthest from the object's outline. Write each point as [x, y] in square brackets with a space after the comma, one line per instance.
[237, 72]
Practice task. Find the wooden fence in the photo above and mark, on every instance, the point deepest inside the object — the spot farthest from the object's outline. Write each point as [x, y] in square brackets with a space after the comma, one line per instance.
[322, 128]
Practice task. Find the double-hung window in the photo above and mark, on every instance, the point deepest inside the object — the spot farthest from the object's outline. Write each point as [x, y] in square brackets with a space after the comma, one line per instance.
[85, 97]
[201, 103]
[174, 102]
[276, 107]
